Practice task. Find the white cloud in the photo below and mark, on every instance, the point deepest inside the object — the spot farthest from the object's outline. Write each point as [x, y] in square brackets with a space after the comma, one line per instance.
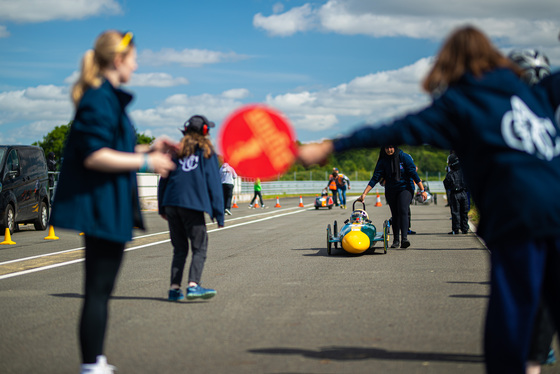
[168, 117]
[142, 80]
[35, 103]
[4, 33]
[372, 97]
[288, 23]
[186, 57]
[156, 80]
[41, 108]
[511, 21]
[48, 10]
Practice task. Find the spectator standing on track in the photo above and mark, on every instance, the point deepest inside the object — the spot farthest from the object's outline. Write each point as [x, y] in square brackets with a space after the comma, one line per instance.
[398, 171]
[458, 198]
[51, 165]
[331, 185]
[228, 175]
[482, 110]
[341, 182]
[97, 192]
[257, 189]
[193, 188]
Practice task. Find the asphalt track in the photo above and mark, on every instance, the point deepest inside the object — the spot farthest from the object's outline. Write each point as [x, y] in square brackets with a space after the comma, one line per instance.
[283, 305]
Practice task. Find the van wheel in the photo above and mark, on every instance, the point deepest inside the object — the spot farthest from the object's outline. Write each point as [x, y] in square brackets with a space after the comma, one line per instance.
[41, 222]
[9, 219]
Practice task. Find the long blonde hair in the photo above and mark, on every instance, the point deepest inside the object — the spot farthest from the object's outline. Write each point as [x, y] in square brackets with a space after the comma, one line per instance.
[192, 141]
[107, 46]
[466, 50]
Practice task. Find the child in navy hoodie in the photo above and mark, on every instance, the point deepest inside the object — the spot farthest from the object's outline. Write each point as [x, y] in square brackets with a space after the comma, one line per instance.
[508, 142]
[193, 188]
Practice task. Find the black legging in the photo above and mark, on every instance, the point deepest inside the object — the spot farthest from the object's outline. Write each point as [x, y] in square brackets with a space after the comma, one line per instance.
[103, 260]
[399, 202]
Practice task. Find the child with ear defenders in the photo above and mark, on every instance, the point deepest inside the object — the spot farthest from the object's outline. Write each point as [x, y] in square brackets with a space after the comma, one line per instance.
[193, 188]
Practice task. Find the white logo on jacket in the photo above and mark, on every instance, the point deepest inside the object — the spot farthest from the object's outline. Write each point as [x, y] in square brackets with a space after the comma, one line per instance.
[190, 163]
[524, 130]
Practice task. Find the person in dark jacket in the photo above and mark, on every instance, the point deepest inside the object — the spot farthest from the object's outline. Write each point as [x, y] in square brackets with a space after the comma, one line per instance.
[51, 165]
[398, 171]
[458, 198]
[97, 192]
[536, 67]
[193, 188]
[504, 133]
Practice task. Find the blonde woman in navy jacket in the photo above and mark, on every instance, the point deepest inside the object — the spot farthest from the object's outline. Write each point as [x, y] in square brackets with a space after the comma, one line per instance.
[509, 144]
[193, 188]
[97, 192]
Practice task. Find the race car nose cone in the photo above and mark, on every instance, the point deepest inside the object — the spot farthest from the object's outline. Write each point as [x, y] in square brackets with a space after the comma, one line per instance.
[355, 242]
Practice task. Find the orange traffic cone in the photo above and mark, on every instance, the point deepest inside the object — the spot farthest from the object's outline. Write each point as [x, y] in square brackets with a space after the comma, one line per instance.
[51, 235]
[277, 203]
[300, 202]
[256, 204]
[235, 203]
[8, 238]
[378, 202]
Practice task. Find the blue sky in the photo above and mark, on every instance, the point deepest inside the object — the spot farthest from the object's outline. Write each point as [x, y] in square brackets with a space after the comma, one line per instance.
[328, 65]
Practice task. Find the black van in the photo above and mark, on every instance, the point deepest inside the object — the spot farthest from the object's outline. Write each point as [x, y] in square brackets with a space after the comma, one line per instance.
[24, 187]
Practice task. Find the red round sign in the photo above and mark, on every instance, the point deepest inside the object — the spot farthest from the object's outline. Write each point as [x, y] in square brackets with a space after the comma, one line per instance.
[258, 142]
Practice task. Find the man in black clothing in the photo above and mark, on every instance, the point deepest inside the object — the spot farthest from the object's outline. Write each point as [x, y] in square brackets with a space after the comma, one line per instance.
[458, 198]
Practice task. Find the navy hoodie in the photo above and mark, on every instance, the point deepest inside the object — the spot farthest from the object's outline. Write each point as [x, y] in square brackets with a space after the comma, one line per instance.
[508, 143]
[195, 184]
[100, 204]
[408, 174]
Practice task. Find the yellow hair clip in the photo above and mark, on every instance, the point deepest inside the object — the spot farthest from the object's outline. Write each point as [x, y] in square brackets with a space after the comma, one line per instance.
[125, 41]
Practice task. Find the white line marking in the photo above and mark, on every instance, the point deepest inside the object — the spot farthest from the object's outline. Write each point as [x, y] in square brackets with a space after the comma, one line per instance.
[23, 272]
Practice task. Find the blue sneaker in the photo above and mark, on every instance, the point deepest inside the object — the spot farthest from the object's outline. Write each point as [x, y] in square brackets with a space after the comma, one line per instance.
[198, 292]
[175, 295]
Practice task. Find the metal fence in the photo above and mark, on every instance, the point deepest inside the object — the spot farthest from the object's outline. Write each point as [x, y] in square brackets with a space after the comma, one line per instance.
[244, 188]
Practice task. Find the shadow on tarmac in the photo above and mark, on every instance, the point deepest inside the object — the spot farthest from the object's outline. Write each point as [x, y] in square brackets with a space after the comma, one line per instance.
[360, 353]
[338, 252]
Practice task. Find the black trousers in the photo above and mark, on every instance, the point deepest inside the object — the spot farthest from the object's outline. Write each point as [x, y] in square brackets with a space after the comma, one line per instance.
[259, 195]
[334, 196]
[459, 203]
[228, 194]
[187, 225]
[103, 260]
[399, 202]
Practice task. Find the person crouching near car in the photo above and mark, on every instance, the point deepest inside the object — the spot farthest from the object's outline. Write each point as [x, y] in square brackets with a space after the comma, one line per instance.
[458, 197]
[193, 188]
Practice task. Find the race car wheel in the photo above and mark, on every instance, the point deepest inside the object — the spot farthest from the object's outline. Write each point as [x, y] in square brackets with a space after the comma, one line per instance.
[329, 239]
[385, 236]
[335, 233]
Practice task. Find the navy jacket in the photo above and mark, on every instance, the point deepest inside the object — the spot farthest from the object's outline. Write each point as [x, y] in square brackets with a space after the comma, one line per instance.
[550, 84]
[100, 204]
[408, 174]
[195, 184]
[510, 172]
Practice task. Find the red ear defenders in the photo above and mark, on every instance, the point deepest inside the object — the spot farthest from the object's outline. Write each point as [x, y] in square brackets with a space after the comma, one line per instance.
[198, 124]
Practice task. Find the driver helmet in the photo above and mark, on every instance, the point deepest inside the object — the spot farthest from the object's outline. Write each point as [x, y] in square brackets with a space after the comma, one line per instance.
[359, 216]
[534, 63]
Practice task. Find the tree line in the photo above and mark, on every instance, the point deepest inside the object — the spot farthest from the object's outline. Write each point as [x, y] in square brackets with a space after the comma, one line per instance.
[55, 140]
[362, 162]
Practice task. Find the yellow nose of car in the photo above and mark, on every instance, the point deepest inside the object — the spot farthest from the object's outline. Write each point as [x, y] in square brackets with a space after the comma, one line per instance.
[355, 242]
